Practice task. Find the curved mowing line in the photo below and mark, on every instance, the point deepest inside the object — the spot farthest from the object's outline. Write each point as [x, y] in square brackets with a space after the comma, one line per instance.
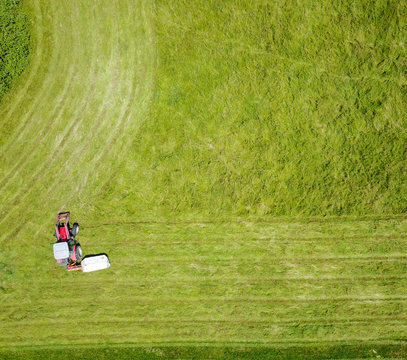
[110, 142]
[58, 152]
[98, 124]
[96, 130]
[152, 37]
[121, 128]
[19, 96]
[39, 172]
[60, 102]
[42, 94]
[30, 153]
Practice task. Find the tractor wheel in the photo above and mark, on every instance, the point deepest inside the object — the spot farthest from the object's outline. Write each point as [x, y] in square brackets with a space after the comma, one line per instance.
[75, 229]
[78, 252]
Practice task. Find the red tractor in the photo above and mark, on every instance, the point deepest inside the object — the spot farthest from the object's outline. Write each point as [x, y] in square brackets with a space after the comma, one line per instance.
[68, 251]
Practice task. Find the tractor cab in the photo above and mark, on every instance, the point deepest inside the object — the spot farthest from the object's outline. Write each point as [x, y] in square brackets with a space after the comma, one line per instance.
[63, 234]
[63, 231]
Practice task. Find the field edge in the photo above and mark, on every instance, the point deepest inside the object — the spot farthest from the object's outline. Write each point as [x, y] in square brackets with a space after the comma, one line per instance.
[224, 351]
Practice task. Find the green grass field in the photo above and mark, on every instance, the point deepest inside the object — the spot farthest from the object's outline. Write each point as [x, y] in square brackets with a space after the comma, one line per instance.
[243, 163]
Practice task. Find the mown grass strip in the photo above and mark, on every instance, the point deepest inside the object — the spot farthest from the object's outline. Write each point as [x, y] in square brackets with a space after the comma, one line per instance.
[283, 239]
[250, 321]
[257, 299]
[278, 220]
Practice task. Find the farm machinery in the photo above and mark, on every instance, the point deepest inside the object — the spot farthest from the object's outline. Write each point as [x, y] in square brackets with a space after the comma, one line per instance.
[68, 251]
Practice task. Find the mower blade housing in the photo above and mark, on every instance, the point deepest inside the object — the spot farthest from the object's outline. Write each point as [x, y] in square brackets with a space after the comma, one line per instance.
[95, 262]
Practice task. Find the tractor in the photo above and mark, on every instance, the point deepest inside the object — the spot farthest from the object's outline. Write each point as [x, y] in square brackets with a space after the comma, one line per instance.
[68, 251]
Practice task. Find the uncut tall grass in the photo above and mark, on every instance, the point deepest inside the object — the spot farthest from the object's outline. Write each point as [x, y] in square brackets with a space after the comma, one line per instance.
[272, 108]
[14, 43]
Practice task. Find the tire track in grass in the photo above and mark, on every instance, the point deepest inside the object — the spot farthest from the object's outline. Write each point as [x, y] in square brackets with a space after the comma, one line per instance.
[245, 345]
[212, 343]
[251, 321]
[149, 250]
[280, 239]
[255, 259]
[39, 173]
[241, 280]
[118, 323]
[238, 300]
[238, 274]
[260, 220]
[265, 260]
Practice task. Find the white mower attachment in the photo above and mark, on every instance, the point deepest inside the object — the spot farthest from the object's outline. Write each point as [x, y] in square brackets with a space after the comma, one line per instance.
[94, 263]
